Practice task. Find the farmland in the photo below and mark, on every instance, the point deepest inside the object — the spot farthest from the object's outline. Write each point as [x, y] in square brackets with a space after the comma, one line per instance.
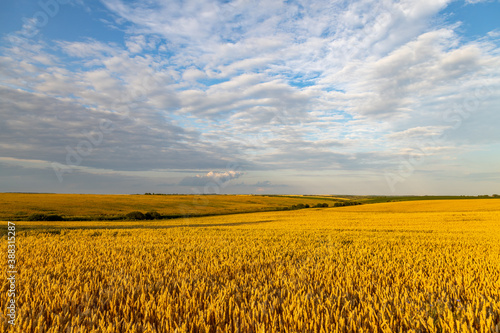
[82, 207]
[421, 266]
[19, 206]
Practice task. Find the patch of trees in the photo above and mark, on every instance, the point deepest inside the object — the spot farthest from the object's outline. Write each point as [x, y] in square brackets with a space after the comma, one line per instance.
[347, 203]
[151, 193]
[148, 193]
[302, 206]
[45, 217]
[136, 215]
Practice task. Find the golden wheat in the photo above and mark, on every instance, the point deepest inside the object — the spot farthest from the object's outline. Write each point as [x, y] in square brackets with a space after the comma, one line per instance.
[19, 206]
[396, 267]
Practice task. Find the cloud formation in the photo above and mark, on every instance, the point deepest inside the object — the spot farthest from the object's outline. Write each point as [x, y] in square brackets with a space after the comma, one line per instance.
[274, 86]
[212, 177]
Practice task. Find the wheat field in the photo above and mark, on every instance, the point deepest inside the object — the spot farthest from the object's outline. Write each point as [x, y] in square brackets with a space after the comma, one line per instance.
[18, 206]
[417, 266]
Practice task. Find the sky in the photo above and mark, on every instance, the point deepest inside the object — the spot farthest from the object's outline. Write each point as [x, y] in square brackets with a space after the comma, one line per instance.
[262, 97]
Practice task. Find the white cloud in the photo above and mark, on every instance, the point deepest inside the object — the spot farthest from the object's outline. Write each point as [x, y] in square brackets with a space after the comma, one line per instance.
[494, 33]
[212, 177]
[193, 74]
[136, 44]
[472, 2]
[417, 132]
[88, 49]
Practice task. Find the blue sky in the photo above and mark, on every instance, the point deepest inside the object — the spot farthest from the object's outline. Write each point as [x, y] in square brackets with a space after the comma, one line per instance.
[326, 97]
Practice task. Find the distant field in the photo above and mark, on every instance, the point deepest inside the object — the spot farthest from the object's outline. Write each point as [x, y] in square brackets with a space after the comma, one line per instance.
[464, 205]
[397, 198]
[19, 206]
[421, 266]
